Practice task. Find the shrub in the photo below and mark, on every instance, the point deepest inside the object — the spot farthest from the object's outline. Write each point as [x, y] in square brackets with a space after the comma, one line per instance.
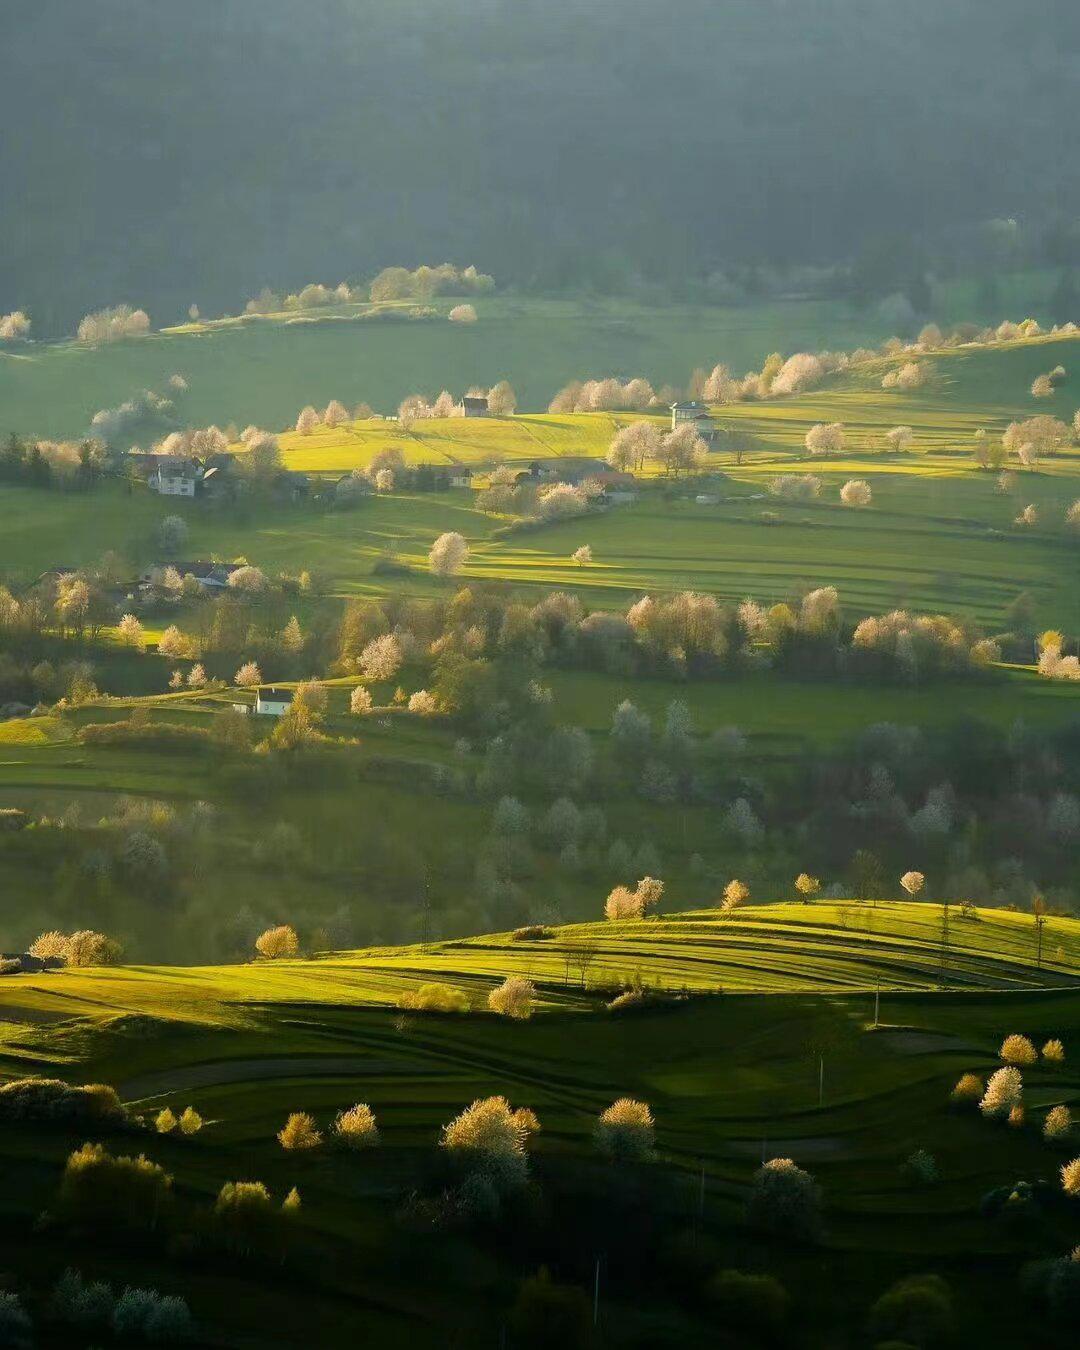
[917, 1310]
[533, 932]
[1054, 1052]
[1070, 1178]
[10, 965]
[1058, 1123]
[435, 998]
[921, 1168]
[1016, 1117]
[625, 1131]
[245, 1214]
[1018, 1050]
[165, 1122]
[190, 1122]
[969, 1089]
[50, 946]
[299, 1133]
[291, 1204]
[1003, 1092]
[356, 1127]
[15, 1325]
[784, 1199]
[144, 1314]
[490, 1135]
[514, 998]
[280, 943]
[51, 1099]
[754, 1302]
[100, 1189]
[80, 1302]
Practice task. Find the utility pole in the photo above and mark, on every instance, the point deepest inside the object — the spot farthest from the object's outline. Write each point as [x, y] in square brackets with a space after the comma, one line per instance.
[821, 1080]
[596, 1296]
[877, 1004]
[944, 940]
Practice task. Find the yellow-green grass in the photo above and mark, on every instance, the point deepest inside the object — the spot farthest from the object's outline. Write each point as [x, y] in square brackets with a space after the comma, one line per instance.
[775, 948]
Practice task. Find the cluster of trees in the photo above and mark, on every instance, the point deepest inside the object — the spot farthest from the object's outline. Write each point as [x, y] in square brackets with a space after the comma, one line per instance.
[424, 283]
[501, 402]
[53, 464]
[147, 412]
[112, 324]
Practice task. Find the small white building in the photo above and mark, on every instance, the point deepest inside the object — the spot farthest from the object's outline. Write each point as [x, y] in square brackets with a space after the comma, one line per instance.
[174, 477]
[461, 476]
[273, 702]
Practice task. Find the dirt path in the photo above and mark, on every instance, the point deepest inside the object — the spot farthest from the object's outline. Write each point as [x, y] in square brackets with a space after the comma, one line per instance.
[218, 1073]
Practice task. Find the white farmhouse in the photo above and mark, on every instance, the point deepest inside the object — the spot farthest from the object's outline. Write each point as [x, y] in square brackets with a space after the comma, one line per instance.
[273, 702]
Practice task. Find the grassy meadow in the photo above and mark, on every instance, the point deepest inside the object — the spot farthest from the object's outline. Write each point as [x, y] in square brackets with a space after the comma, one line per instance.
[732, 1079]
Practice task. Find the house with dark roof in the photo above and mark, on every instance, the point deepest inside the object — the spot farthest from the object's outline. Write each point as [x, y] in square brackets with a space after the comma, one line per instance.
[698, 415]
[473, 405]
[273, 702]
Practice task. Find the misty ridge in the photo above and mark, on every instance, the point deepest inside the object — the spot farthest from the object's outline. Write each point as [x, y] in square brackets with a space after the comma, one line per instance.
[212, 148]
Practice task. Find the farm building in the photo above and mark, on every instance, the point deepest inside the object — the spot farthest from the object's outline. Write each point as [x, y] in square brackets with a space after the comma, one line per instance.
[474, 405]
[461, 476]
[273, 702]
[698, 415]
[211, 576]
[175, 477]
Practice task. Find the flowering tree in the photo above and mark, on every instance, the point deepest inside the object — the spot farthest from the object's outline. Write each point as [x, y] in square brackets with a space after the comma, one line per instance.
[278, 943]
[856, 492]
[248, 674]
[583, 555]
[360, 701]
[736, 893]
[130, 632]
[448, 554]
[913, 883]
[382, 658]
[825, 438]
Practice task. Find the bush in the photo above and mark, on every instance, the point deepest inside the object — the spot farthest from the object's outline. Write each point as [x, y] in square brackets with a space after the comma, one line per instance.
[513, 998]
[917, 1310]
[921, 1168]
[1058, 1123]
[15, 1325]
[533, 932]
[10, 965]
[356, 1127]
[1070, 1178]
[190, 1122]
[435, 998]
[102, 1190]
[491, 1136]
[299, 1133]
[165, 1122]
[278, 943]
[1003, 1092]
[1018, 1051]
[80, 1302]
[1054, 1052]
[785, 1200]
[144, 1314]
[245, 1215]
[626, 1132]
[47, 1099]
[754, 1302]
[968, 1090]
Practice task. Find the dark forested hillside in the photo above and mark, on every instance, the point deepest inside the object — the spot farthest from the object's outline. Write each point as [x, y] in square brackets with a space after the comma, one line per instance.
[196, 151]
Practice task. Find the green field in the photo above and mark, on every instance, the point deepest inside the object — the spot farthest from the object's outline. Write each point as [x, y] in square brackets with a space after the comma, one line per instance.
[265, 371]
[732, 1079]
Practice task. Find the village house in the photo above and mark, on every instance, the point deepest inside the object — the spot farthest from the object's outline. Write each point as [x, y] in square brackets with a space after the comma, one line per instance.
[461, 476]
[273, 702]
[473, 405]
[211, 576]
[698, 415]
[172, 476]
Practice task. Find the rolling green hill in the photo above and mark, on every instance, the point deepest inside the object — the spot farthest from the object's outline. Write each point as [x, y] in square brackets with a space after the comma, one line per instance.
[732, 1079]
